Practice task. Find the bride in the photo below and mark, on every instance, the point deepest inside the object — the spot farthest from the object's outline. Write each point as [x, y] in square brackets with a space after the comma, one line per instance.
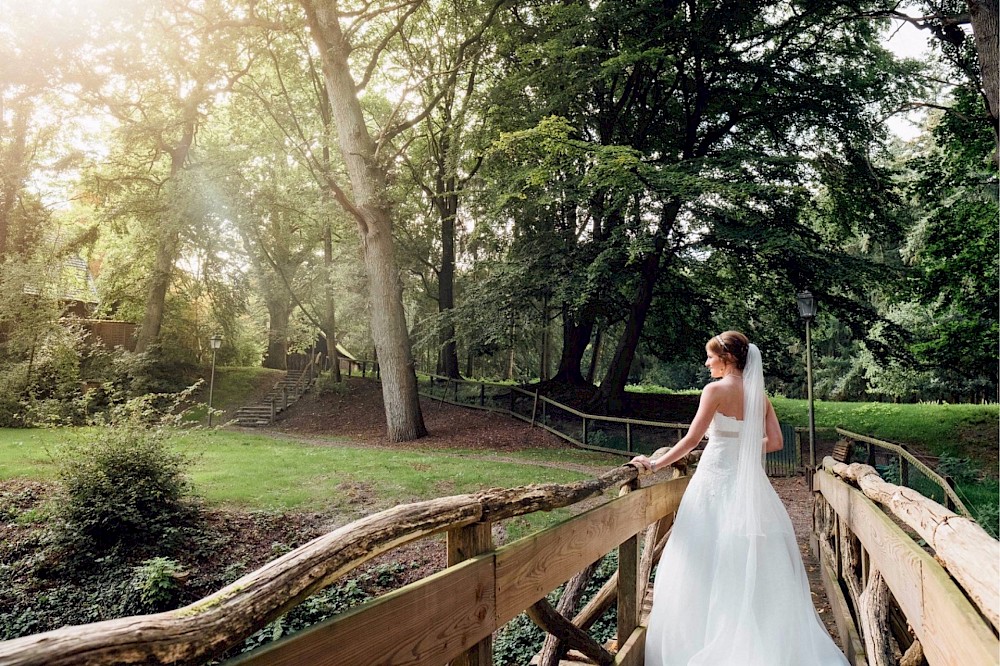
[731, 588]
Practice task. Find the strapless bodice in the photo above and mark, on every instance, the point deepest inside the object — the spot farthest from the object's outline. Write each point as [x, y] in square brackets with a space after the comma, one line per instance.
[724, 427]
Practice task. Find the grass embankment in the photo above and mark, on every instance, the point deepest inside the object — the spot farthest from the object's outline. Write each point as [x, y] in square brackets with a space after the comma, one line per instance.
[960, 430]
[258, 472]
[234, 387]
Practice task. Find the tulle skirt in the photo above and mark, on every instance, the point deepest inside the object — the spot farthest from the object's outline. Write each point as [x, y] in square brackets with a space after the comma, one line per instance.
[723, 597]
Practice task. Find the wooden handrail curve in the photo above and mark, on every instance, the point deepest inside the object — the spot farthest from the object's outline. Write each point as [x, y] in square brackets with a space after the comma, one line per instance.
[962, 546]
[207, 628]
[866, 554]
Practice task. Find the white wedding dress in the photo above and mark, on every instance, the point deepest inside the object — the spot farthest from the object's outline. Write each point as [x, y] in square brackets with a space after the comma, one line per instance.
[730, 587]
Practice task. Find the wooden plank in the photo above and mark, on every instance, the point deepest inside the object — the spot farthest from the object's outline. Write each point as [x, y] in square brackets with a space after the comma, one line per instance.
[632, 651]
[532, 567]
[430, 621]
[849, 637]
[947, 625]
[628, 583]
[465, 543]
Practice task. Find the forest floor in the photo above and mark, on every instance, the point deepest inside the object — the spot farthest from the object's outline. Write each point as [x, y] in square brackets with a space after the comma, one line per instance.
[354, 416]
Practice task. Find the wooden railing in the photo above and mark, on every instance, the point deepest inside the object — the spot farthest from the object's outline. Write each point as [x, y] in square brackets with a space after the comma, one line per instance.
[608, 434]
[447, 617]
[884, 586]
[913, 472]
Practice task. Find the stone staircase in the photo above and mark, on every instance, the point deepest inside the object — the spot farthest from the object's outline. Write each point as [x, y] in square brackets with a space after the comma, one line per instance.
[284, 394]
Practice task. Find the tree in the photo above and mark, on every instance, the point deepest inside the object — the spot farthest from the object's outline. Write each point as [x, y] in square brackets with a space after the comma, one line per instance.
[699, 127]
[368, 160]
[161, 80]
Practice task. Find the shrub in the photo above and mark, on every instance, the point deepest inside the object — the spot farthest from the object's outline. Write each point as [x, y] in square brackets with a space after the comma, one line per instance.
[124, 487]
[961, 470]
[157, 582]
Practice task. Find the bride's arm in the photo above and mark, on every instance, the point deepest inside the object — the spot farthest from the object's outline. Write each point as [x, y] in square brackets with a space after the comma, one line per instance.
[773, 441]
[707, 406]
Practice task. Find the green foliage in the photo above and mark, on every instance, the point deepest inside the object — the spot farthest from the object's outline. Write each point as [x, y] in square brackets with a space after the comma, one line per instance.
[124, 490]
[334, 600]
[156, 581]
[327, 385]
[961, 470]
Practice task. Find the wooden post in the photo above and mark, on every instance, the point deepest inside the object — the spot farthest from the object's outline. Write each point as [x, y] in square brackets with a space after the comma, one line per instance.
[284, 397]
[534, 407]
[455, 383]
[482, 394]
[584, 431]
[271, 422]
[628, 436]
[628, 580]
[871, 454]
[948, 501]
[904, 471]
[463, 544]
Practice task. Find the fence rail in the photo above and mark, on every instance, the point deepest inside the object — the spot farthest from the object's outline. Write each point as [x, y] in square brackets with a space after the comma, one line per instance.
[608, 434]
[884, 587]
[900, 465]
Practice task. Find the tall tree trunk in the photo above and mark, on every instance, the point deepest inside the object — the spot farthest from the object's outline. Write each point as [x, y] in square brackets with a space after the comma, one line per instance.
[446, 280]
[985, 16]
[576, 336]
[595, 355]
[543, 369]
[612, 391]
[159, 283]
[13, 174]
[611, 395]
[370, 207]
[279, 311]
[330, 311]
[168, 245]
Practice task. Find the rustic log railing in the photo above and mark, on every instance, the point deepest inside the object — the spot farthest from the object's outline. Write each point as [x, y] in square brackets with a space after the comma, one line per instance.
[884, 586]
[446, 617]
[909, 466]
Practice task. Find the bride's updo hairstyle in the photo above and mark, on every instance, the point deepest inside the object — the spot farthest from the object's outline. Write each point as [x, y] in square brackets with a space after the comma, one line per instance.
[732, 347]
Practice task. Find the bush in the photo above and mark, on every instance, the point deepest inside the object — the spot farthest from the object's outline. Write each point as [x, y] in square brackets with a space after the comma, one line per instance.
[157, 582]
[124, 487]
[961, 470]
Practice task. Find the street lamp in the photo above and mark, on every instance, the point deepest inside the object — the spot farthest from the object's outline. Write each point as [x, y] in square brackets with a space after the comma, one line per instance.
[215, 342]
[807, 310]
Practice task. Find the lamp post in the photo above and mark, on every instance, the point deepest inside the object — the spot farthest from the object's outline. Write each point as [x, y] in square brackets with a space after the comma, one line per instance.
[807, 310]
[215, 342]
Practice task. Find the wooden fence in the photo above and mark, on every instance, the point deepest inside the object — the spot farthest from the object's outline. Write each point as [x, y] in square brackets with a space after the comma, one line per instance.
[884, 587]
[446, 617]
[609, 434]
[909, 470]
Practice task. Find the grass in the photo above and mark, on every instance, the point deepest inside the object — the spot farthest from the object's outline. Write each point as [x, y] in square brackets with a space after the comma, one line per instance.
[939, 428]
[260, 472]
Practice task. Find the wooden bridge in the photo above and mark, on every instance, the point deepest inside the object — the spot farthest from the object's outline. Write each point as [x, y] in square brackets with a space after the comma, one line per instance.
[896, 600]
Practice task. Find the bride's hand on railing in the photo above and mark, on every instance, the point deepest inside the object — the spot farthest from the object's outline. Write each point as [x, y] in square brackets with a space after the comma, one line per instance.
[643, 463]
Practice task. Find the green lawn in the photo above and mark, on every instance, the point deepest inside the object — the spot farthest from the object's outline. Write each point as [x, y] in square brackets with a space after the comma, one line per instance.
[939, 428]
[261, 472]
